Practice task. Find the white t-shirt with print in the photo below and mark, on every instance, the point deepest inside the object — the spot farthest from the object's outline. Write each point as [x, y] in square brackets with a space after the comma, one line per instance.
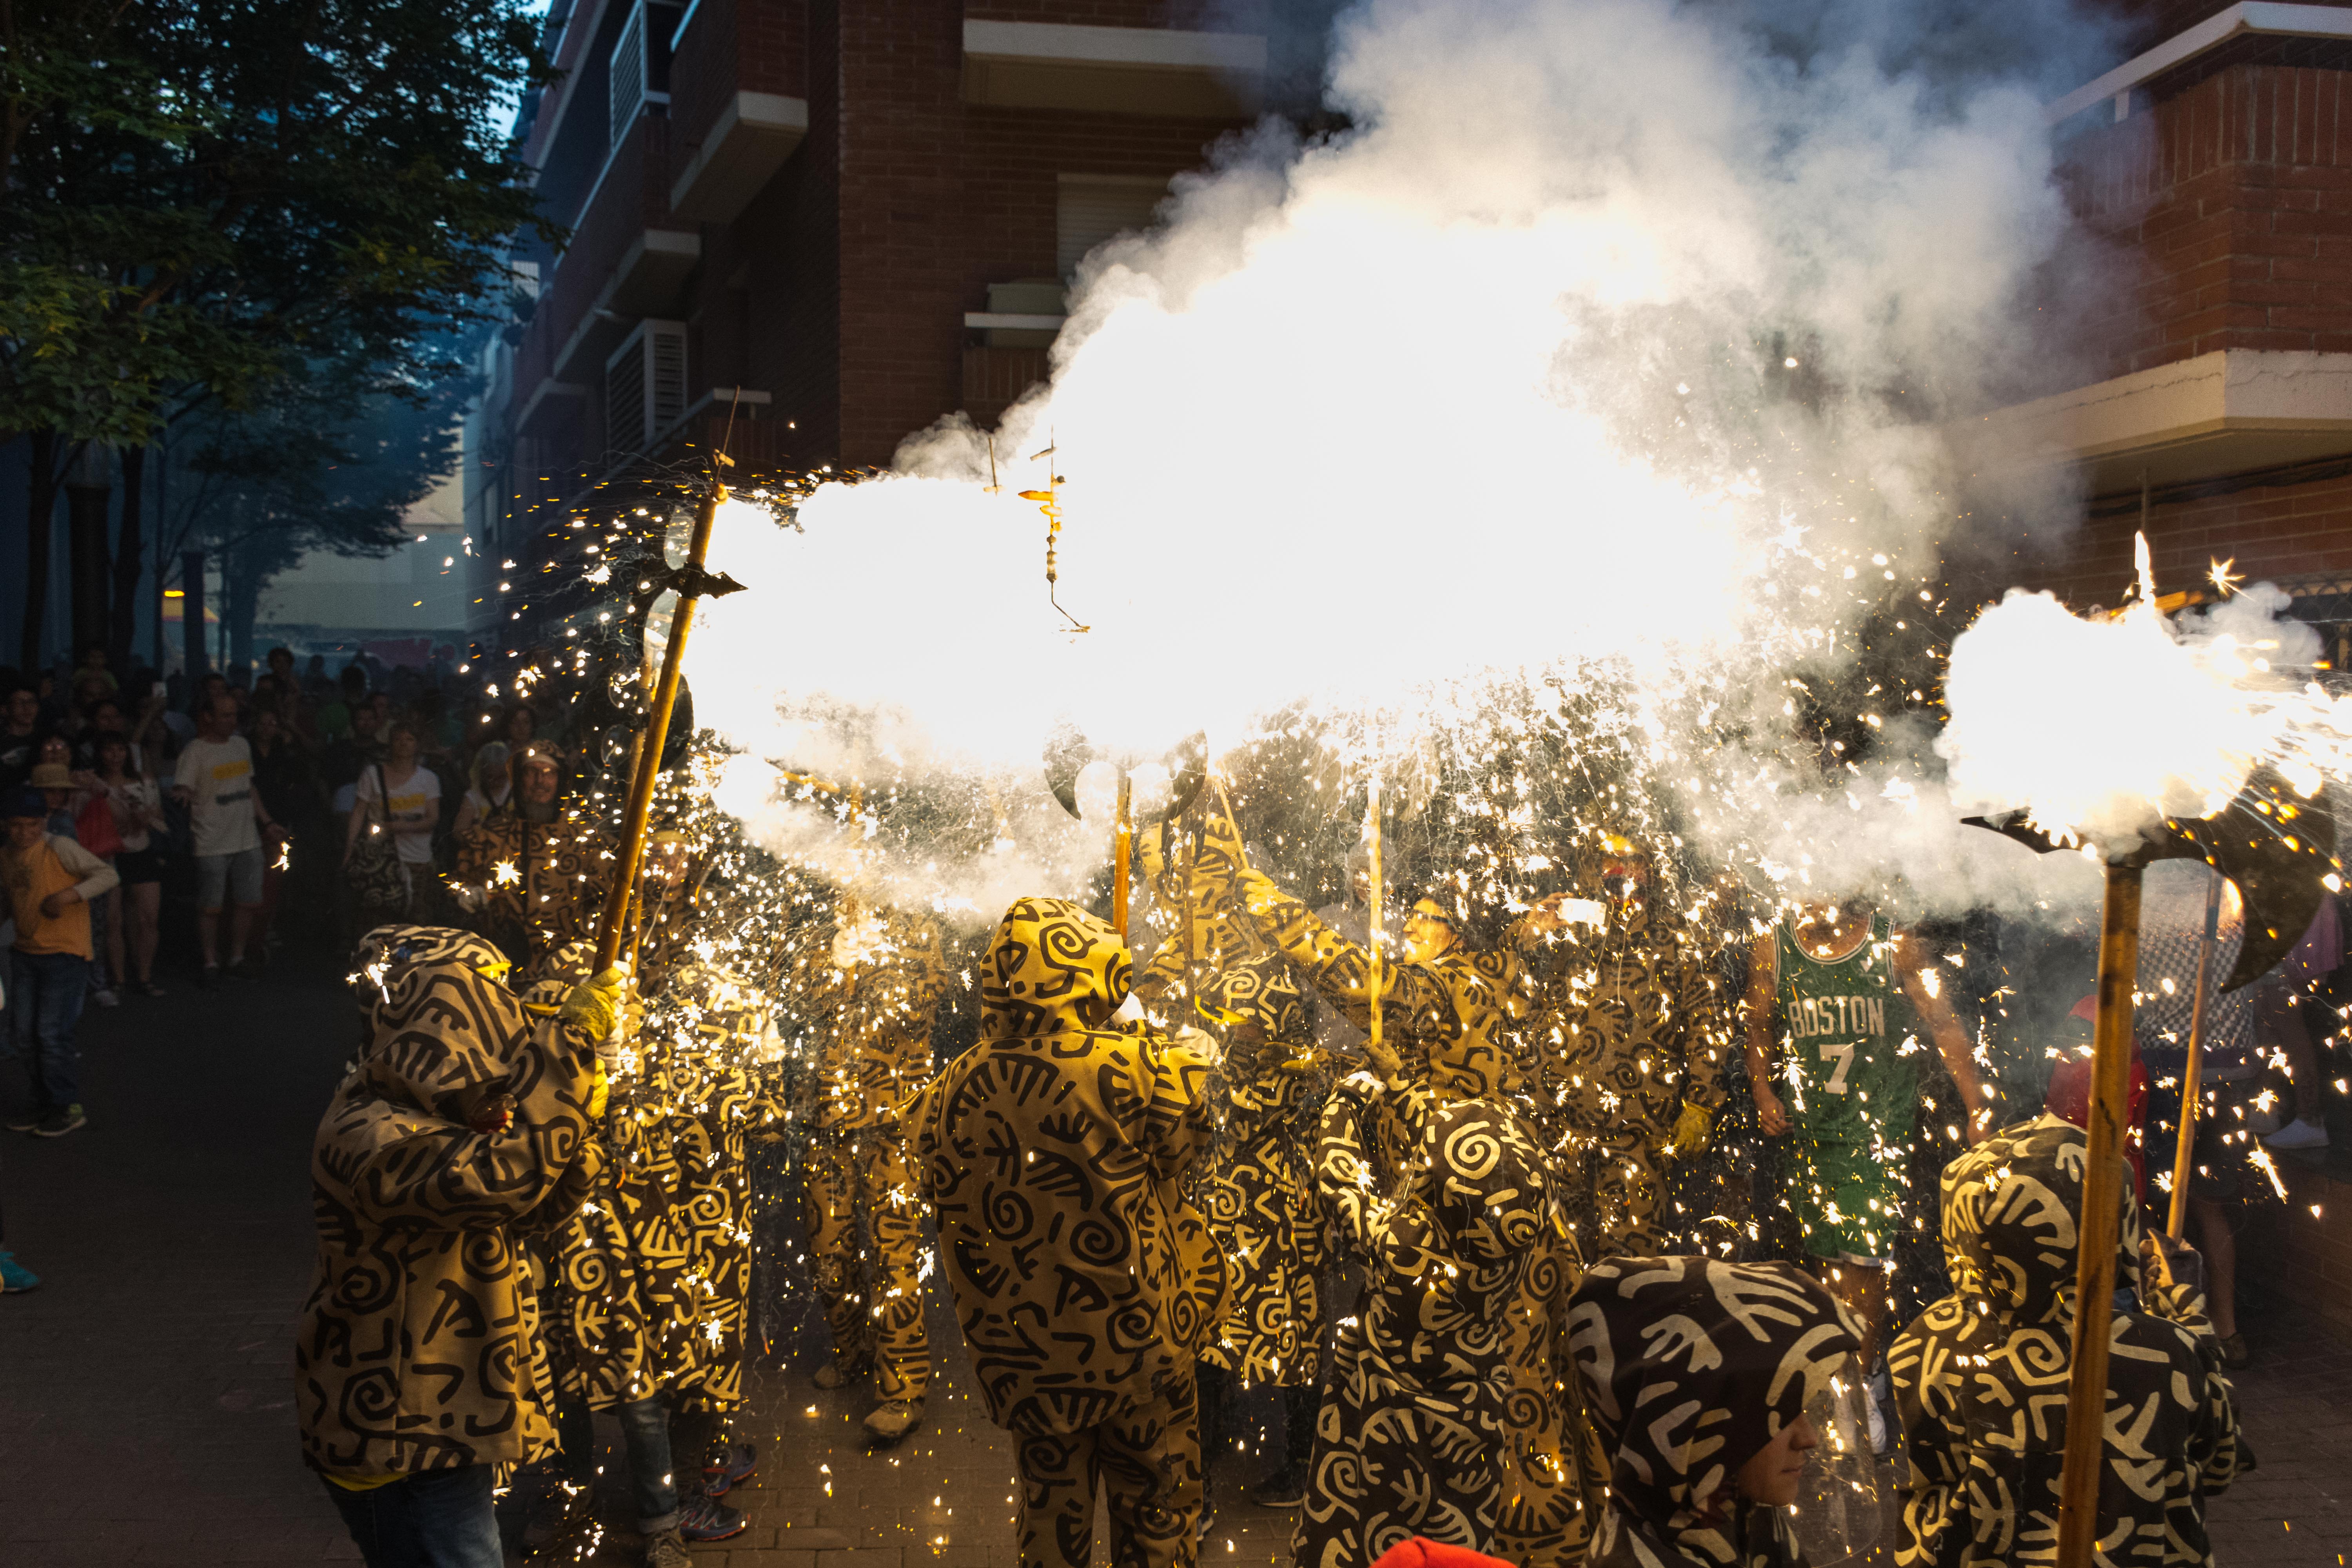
[415, 804]
[218, 774]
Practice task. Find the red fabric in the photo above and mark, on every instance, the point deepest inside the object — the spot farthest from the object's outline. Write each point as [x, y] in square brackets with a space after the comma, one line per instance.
[1422, 1553]
[2069, 1098]
[95, 829]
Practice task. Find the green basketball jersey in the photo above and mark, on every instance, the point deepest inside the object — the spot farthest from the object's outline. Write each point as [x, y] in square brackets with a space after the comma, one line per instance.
[1845, 1074]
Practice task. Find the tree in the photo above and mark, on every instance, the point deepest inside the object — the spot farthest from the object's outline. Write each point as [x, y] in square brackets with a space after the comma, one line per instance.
[201, 201]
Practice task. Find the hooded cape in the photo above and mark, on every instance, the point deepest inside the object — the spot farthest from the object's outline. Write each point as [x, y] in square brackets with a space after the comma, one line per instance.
[419, 1346]
[1055, 1151]
[1690, 1368]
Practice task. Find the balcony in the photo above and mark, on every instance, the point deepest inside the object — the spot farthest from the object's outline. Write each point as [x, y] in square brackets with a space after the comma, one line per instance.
[737, 101]
[627, 260]
[1113, 71]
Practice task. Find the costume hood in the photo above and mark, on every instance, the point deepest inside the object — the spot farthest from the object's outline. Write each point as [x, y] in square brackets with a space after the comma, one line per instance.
[1052, 968]
[443, 1032]
[1691, 1367]
[1483, 1184]
[2010, 1237]
[1472, 1062]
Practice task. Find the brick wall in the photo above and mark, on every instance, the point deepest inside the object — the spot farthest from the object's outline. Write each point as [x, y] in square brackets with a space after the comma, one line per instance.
[731, 45]
[2304, 1256]
[2270, 531]
[635, 194]
[1189, 16]
[2236, 196]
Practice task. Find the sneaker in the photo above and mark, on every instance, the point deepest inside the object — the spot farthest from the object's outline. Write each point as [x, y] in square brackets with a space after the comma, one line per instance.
[1284, 1489]
[57, 1125]
[2236, 1354]
[246, 968]
[730, 1468]
[147, 988]
[25, 1121]
[104, 996]
[2299, 1134]
[15, 1278]
[701, 1518]
[668, 1550]
[893, 1419]
[210, 979]
[834, 1374]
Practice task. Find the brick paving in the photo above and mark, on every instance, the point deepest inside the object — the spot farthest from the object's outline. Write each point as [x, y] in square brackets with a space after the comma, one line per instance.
[146, 1400]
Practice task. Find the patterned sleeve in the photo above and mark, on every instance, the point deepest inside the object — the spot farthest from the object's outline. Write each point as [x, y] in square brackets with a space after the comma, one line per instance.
[1411, 999]
[1343, 1167]
[2213, 1445]
[1178, 1127]
[1936, 1519]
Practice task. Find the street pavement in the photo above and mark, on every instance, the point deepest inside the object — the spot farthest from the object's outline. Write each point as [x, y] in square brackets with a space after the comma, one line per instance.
[146, 1392]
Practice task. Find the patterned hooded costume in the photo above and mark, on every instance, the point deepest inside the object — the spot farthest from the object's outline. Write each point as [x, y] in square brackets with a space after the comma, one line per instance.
[1691, 1367]
[872, 995]
[1980, 1378]
[1453, 1021]
[1257, 1188]
[1637, 1032]
[419, 1348]
[652, 1279]
[1409, 1439]
[541, 881]
[1054, 1151]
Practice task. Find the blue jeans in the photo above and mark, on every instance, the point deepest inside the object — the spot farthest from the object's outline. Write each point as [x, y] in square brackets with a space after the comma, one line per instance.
[645, 1433]
[44, 997]
[435, 1519]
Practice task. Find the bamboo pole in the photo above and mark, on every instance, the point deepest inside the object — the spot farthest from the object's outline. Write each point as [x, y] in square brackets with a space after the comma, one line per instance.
[2097, 1229]
[1372, 915]
[655, 737]
[1122, 839]
[2190, 1102]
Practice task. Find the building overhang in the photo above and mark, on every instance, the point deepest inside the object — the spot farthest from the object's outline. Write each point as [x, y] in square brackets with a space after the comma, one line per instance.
[739, 154]
[643, 283]
[1113, 71]
[550, 402]
[2228, 412]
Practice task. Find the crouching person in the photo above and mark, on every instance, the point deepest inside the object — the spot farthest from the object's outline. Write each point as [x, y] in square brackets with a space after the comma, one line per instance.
[1697, 1375]
[1981, 1377]
[1054, 1151]
[419, 1366]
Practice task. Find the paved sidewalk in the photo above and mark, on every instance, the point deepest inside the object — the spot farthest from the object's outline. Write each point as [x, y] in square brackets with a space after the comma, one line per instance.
[146, 1398]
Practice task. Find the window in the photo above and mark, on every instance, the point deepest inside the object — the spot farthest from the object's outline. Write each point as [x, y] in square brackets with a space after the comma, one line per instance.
[1092, 208]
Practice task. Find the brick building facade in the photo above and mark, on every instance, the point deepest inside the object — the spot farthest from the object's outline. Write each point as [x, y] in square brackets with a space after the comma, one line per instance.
[841, 219]
[2216, 166]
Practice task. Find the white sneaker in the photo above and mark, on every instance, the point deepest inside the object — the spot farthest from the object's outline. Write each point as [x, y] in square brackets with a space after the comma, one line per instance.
[2299, 1134]
[105, 997]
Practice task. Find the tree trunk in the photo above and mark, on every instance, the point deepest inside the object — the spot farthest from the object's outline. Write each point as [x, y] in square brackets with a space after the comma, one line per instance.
[241, 598]
[192, 623]
[40, 522]
[129, 540]
[89, 491]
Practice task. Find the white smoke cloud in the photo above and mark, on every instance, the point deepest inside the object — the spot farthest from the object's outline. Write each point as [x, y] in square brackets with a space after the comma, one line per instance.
[1607, 330]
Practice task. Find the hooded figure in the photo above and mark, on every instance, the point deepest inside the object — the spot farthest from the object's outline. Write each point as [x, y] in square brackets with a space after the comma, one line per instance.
[533, 876]
[1259, 1194]
[872, 992]
[1692, 1368]
[1411, 1437]
[1452, 1014]
[1635, 1045]
[1980, 1378]
[463, 1121]
[1054, 1151]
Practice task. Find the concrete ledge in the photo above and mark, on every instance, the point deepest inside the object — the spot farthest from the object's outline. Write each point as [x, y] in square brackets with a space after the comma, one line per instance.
[1113, 71]
[644, 283]
[2221, 412]
[548, 401]
[739, 154]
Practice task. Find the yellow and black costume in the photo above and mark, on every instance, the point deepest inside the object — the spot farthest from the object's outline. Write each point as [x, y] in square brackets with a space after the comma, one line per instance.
[1054, 1151]
[871, 995]
[539, 885]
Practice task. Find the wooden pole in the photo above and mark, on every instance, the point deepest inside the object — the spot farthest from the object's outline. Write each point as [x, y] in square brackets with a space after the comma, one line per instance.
[1372, 914]
[1122, 841]
[656, 736]
[2190, 1100]
[2097, 1229]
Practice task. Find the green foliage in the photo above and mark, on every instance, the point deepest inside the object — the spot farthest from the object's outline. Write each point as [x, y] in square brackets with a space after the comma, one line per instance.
[202, 199]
